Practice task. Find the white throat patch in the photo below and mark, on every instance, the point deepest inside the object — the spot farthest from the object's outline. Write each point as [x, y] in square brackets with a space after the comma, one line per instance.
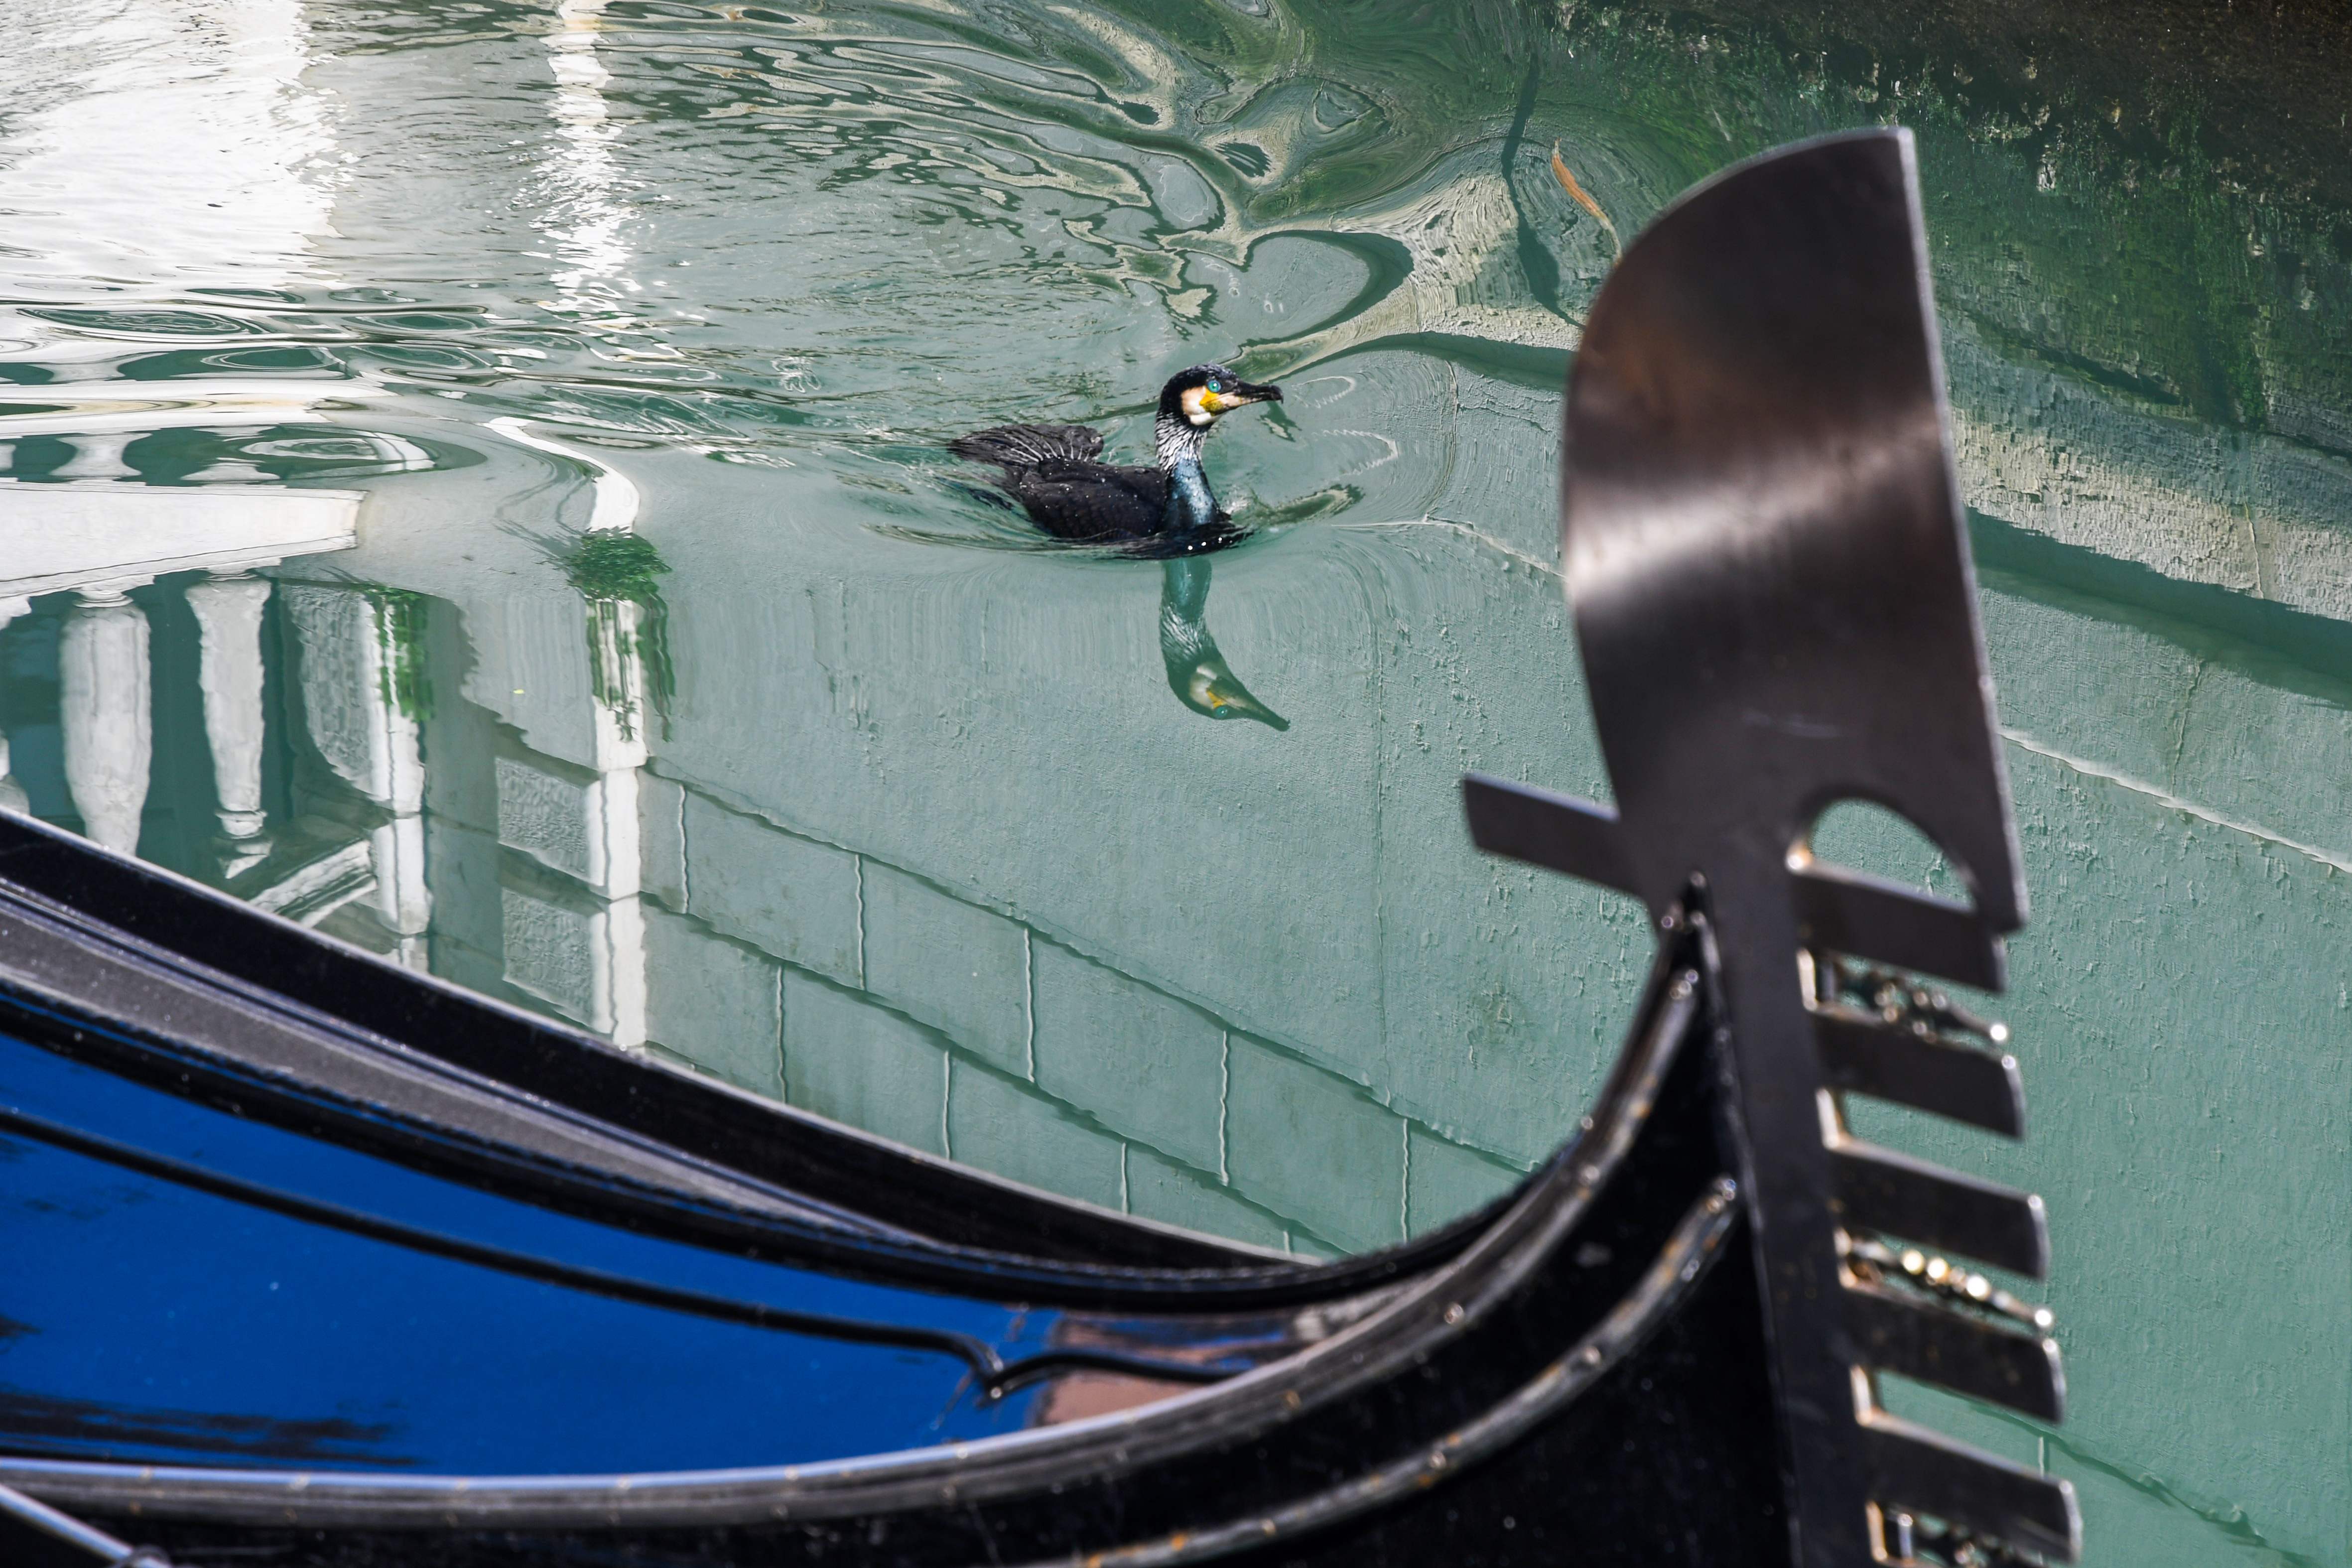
[1180, 440]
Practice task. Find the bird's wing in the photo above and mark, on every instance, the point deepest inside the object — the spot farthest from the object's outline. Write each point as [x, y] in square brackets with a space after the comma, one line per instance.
[1029, 446]
[1092, 500]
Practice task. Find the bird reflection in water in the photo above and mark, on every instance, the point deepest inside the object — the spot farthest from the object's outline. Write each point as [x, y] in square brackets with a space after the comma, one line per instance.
[1197, 672]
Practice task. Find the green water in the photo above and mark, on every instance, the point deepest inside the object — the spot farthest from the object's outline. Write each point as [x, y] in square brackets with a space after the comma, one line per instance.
[477, 486]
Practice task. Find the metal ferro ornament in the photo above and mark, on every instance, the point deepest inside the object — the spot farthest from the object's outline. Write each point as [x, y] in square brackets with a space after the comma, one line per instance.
[1762, 540]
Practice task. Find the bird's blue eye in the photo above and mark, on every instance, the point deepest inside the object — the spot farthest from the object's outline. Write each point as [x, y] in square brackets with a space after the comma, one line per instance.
[1216, 385]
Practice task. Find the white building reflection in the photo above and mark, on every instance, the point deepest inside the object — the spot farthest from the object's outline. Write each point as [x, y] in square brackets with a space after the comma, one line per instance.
[12, 793]
[583, 953]
[228, 607]
[323, 682]
[308, 687]
[357, 692]
[100, 539]
[105, 712]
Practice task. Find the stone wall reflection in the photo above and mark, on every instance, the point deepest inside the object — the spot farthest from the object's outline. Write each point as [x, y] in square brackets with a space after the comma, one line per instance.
[543, 850]
[359, 687]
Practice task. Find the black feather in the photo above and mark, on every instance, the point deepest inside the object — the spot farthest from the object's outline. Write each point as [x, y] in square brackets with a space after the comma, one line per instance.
[1050, 470]
[1026, 445]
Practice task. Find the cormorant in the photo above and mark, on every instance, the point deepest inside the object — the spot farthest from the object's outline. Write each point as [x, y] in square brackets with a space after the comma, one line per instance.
[1166, 510]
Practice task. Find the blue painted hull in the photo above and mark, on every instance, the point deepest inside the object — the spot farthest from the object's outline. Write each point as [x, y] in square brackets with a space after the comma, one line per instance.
[442, 1328]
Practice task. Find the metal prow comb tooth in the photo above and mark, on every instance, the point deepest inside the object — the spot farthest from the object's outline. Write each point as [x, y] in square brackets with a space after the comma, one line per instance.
[1846, 911]
[1760, 536]
[1581, 838]
[1879, 1190]
[1932, 1343]
[1926, 1071]
[1920, 1470]
[1842, 911]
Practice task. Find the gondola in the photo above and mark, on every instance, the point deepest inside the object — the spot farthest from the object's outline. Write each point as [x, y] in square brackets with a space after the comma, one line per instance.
[312, 1260]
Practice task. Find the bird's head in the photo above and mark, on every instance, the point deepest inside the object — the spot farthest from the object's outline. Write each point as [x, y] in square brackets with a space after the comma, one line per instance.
[1197, 396]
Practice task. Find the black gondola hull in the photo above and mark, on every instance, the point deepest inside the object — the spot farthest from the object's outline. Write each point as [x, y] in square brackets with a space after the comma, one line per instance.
[1482, 1396]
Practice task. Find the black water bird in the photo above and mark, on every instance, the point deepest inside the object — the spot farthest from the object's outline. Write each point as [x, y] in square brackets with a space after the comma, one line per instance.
[1166, 509]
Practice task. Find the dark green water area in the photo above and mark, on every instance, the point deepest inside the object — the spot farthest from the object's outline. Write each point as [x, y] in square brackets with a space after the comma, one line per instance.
[474, 483]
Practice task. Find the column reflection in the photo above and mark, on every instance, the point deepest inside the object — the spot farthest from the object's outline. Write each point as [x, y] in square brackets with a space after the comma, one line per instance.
[12, 793]
[228, 610]
[104, 696]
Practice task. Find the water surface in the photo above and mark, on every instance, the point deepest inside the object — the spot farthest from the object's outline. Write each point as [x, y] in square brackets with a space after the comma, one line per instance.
[475, 484]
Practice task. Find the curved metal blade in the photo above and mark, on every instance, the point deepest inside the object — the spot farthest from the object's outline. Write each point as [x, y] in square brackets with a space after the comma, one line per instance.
[1758, 515]
[1763, 547]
